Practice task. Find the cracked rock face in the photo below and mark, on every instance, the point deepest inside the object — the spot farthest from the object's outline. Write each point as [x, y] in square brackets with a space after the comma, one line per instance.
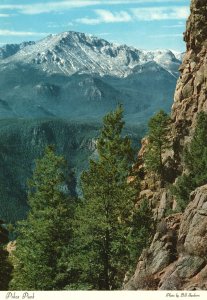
[191, 90]
[177, 256]
[193, 230]
[155, 260]
[191, 266]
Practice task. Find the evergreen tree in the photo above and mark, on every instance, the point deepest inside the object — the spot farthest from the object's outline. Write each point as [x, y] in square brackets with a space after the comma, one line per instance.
[5, 264]
[158, 142]
[44, 237]
[195, 161]
[143, 228]
[195, 154]
[104, 218]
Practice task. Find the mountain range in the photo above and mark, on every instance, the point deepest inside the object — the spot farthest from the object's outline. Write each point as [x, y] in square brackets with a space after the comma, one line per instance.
[56, 91]
[72, 52]
[78, 76]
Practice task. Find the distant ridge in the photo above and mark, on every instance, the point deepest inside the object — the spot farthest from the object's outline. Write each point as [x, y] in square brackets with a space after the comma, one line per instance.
[71, 52]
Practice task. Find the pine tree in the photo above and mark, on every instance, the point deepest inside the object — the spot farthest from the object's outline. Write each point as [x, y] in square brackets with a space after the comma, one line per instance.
[5, 264]
[195, 161]
[195, 154]
[44, 237]
[143, 228]
[158, 142]
[103, 220]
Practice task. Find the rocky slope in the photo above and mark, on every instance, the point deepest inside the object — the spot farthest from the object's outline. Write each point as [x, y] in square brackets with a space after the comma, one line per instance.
[191, 90]
[176, 258]
[11, 49]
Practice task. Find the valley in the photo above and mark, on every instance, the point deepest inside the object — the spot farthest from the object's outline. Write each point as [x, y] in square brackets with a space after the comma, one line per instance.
[56, 91]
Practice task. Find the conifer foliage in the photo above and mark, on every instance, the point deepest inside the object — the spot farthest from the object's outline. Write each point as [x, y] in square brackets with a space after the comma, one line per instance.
[143, 229]
[103, 219]
[5, 264]
[158, 142]
[195, 162]
[43, 238]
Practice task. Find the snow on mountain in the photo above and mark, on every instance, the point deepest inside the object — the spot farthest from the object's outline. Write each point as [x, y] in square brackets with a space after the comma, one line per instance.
[11, 49]
[72, 52]
[178, 55]
[168, 60]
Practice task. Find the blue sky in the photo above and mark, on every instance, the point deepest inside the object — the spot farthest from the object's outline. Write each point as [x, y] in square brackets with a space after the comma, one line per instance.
[143, 24]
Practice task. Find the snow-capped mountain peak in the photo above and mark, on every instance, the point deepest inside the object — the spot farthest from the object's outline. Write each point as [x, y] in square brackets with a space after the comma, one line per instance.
[71, 52]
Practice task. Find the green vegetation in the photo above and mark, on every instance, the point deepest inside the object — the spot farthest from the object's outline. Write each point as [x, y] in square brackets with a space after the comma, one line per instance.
[195, 161]
[5, 270]
[104, 217]
[143, 228]
[90, 243]
[158, 142]
[44, 237]
[22, 141]
[5, 265]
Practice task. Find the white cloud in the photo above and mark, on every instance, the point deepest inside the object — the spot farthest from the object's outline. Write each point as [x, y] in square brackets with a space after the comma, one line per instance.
[106, 16]
[109, 17]
[138, 14]
[57, 6]
[4, 15]
[88, 21]
[40, 8]
[161, 13]
[4, 32]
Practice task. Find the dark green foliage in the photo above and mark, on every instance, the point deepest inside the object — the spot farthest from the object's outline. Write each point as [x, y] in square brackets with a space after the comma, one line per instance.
[185, 184]
[158, 142]
[5, 264]
[5, 269]
[22, 141]
[104, 217]
[195, 155]
[195, 161]
[40, 259]
[143, 227]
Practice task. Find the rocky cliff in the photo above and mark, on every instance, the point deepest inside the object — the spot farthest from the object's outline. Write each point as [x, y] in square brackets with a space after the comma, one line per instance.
[191, 90]
[176, 258]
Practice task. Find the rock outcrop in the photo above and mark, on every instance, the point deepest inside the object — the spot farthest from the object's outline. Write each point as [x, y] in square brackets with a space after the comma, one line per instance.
[191, 91]
[176, 258]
